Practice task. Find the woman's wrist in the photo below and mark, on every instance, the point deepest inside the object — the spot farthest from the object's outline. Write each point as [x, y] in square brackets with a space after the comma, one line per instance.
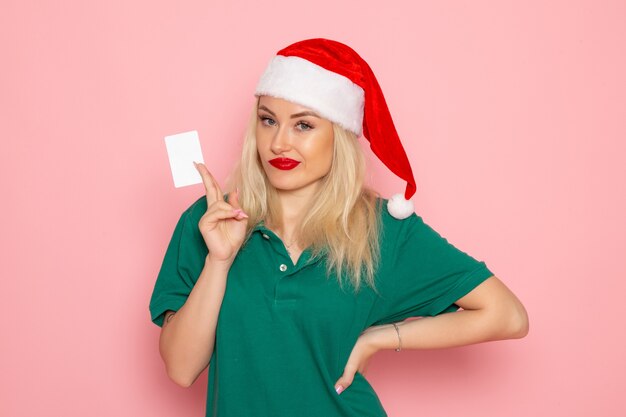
[385, 337]
[214, 265]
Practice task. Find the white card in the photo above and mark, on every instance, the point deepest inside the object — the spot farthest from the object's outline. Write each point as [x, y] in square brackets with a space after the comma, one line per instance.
[183, 149]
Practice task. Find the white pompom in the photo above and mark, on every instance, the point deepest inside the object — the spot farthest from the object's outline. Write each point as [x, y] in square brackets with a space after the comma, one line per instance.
[400, 208]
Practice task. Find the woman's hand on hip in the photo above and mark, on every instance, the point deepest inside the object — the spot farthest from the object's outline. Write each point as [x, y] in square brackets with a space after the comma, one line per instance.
[363, 350]
[223, 226]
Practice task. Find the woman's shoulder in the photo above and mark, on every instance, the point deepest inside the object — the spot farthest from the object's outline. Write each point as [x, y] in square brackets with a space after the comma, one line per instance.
[389, 222]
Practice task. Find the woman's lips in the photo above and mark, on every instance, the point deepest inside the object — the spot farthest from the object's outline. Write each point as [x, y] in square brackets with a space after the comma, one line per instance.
[284, 163]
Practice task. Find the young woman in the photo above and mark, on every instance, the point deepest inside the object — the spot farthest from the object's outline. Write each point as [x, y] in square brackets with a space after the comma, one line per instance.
[287, 285]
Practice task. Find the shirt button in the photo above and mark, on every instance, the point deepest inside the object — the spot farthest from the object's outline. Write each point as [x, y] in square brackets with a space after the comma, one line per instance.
[265, 236]
[283, 267]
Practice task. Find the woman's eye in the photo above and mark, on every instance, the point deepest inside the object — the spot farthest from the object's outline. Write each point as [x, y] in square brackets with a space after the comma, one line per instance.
[267, 121]
[305, 126]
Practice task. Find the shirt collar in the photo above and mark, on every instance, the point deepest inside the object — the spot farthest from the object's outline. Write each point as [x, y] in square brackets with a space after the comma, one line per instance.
[305, 257]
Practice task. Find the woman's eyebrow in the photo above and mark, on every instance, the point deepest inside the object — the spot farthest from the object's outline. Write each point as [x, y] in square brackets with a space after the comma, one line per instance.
[293, 116]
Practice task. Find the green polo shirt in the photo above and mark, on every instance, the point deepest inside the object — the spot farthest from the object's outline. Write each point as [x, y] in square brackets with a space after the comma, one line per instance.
[285, 331]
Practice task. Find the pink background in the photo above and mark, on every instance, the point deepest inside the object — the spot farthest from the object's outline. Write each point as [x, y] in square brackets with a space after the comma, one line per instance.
[513, 117]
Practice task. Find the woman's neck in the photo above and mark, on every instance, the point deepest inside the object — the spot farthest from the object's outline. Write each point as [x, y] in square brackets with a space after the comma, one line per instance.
[293, 206]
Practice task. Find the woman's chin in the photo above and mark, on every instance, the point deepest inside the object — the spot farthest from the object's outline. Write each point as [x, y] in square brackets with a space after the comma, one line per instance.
[290, 186]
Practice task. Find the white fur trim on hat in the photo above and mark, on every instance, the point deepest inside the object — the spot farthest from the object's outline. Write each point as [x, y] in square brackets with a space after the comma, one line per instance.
[332, 95]
[400, 208]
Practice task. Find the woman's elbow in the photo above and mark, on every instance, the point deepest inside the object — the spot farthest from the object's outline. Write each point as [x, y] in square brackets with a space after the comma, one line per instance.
[517, 321]
[180, 380]
[175, 372]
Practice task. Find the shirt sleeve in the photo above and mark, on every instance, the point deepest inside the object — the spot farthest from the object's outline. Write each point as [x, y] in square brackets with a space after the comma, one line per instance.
[425, 273]
[181, 266]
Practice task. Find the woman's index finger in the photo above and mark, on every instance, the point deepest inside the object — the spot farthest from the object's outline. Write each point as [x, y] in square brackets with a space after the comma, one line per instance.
[218, 191]
[212, 194]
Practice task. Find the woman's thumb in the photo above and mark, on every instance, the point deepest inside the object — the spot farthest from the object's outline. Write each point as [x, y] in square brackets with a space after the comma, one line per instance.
[342, 383]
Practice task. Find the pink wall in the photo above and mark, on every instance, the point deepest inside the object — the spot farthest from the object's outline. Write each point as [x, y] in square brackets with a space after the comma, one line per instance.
[512, 114]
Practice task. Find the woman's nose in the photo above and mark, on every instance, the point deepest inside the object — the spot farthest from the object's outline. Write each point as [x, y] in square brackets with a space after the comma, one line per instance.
[281, 141]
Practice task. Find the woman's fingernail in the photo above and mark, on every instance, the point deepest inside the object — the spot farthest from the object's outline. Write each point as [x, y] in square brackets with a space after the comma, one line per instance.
[339, 389]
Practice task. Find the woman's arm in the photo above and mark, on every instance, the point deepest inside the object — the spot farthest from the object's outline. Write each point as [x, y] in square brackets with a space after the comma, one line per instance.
[490, 312]
[187, 339]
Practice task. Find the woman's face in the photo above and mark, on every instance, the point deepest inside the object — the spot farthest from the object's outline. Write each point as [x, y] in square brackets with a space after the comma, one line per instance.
[294, 143]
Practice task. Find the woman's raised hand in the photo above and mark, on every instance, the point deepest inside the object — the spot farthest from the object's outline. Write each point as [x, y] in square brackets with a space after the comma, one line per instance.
[223, 226]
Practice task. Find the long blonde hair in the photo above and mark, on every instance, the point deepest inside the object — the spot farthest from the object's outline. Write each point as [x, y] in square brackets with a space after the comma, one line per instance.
[342, 222]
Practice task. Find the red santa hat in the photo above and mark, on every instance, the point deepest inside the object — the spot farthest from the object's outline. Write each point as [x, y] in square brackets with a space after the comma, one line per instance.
[332, 79]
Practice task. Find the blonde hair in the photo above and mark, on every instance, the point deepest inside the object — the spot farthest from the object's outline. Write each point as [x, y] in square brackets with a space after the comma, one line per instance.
[342, 223]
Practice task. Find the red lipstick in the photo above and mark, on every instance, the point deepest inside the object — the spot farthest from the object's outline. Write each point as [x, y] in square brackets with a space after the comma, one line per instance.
[284, 163]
